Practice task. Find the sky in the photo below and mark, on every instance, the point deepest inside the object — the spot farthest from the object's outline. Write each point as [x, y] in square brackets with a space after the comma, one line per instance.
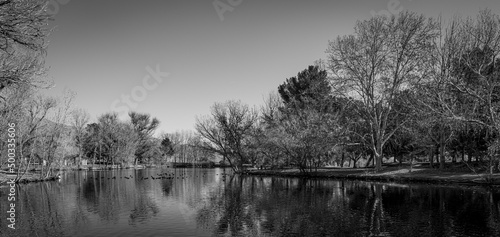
[175, 59]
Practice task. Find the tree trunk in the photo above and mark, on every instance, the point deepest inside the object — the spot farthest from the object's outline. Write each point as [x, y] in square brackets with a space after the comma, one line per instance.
[436, 154]
[442, 157]
[79, 157]
[491, 166]
[369, 160]
[342, 160]
[93, 160]
[378, 155]
[431, 156]
[411, 162]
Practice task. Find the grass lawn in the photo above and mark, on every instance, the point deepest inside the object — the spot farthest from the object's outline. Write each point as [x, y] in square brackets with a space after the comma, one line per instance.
[28, 177]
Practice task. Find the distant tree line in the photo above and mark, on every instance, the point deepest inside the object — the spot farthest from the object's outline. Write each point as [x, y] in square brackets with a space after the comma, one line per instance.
[49, 132]
[111, 141]
[404, 87]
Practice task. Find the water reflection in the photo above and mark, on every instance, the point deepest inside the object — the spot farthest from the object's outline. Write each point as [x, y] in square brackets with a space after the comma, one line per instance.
[254, 206]
[205, 202]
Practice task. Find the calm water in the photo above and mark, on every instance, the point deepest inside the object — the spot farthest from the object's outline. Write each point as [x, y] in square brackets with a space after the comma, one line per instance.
[204, 203]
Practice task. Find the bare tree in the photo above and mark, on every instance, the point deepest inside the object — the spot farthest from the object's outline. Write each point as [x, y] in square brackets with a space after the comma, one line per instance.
[118, 140]
[54, 133]
[144, 126]
[14, 111]
[22, 42]
[29, 112]
[227, 131]
[179, 144]
[470, 75]
[382, 57]
[265, 132]
[79, 120]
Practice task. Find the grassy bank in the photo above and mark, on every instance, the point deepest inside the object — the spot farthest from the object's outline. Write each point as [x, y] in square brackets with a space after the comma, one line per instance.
[29, 177]
[390, 174]
[401, 174]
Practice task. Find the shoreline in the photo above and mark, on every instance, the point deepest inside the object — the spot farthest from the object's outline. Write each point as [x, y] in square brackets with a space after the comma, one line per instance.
[388, 174]
[33, 175]
[400, 175]
[29, 177]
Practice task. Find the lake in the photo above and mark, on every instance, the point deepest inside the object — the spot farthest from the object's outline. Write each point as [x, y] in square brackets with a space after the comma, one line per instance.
[206, 202]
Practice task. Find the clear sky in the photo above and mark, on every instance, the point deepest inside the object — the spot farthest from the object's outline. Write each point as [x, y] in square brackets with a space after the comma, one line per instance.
[101, 49]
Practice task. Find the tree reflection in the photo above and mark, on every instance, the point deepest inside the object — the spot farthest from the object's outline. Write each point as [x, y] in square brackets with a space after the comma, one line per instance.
[296, 207]
[108, 197]
[144, 209]
[46, 216]
[277, 207]
[253, 206]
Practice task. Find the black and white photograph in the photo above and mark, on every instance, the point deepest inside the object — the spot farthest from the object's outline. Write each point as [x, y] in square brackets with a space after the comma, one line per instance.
[164, 118]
